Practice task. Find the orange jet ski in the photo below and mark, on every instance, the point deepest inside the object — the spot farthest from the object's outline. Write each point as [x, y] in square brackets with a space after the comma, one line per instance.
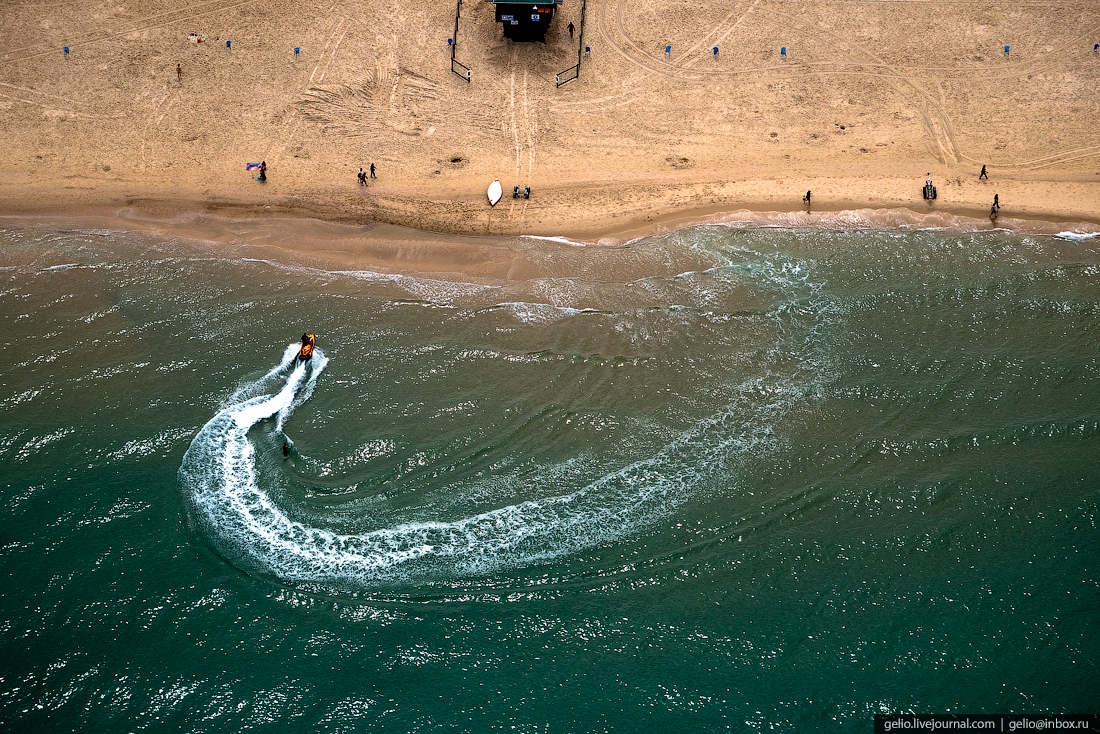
[307, 347]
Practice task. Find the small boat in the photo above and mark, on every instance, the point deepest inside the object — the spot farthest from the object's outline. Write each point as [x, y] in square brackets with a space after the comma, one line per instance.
[494, 192]
[307, 347]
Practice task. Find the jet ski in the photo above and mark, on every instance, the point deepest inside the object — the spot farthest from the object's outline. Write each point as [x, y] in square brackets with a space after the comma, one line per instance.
[307, 348]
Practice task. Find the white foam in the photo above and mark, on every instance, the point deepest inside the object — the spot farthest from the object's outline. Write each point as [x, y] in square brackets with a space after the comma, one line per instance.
[541, 313]
[429, 289]
[1077, 235]
[436, 290]
[158, 444]
[562, 240]
[37, 443]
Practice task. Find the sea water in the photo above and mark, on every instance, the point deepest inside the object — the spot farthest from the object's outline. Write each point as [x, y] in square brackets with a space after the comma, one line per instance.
[719, 478]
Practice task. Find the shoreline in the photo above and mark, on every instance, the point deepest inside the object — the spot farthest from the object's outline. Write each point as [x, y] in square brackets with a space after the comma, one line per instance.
[600, 219]
[298, 232]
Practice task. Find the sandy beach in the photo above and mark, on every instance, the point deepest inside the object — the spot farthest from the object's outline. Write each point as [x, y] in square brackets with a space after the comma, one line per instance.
[868, 99]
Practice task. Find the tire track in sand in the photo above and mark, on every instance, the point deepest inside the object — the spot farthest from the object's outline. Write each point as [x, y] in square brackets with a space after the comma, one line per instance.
[156, 115]
[113, 34]
[524, 126]
[288, 134]
[937, 122]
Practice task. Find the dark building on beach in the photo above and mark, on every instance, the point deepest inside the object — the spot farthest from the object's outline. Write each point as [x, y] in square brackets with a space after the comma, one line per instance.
[525, 21]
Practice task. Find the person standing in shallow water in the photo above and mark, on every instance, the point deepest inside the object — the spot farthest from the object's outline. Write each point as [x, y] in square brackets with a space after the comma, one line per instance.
[806, 198]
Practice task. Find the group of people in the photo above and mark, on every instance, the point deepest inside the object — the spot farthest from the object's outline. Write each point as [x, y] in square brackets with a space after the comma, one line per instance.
[983, 176]
[363, 176]
[362, 173]
[929, 192]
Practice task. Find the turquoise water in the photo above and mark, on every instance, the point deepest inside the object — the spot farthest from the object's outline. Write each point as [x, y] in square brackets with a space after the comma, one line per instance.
[719, 478]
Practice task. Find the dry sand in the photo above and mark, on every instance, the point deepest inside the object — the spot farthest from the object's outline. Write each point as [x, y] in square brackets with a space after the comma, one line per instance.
[871, 96]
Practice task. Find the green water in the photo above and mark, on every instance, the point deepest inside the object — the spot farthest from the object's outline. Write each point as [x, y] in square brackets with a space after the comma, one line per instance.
[716, 479]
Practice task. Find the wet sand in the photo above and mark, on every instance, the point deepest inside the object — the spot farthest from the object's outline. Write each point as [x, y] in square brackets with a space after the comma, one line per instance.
[384, 248]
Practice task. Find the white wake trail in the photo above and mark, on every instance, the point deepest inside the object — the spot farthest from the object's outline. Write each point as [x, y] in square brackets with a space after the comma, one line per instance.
[219, 480]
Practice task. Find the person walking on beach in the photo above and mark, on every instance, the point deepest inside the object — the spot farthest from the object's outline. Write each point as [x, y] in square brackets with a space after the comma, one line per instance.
[179, 73]
[997, 201]
[571, 29]
[806, 198]
[372, 171]
[362, 177]
[983, 174]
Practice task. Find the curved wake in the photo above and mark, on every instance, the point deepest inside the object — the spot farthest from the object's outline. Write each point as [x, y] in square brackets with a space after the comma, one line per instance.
[219, 479]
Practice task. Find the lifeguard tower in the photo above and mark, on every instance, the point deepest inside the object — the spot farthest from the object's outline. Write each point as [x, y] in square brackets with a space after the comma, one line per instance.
[525, 21]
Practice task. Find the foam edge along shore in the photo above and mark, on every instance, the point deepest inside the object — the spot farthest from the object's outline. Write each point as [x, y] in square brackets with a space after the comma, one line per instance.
[295, 234]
